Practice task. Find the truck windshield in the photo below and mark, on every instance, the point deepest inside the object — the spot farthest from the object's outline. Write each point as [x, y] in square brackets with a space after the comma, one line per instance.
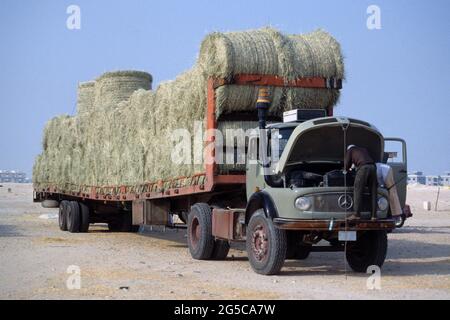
[283, 137]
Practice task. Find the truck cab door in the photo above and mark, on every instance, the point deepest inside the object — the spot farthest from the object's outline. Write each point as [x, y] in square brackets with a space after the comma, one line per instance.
[253, 167]
[395, 157]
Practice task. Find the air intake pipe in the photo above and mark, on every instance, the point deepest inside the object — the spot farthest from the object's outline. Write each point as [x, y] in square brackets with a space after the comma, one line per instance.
[262, 105]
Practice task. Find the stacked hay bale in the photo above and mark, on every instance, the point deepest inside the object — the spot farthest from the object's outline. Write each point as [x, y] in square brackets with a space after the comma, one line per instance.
[85, 97]
[112, 88]
[126, 137]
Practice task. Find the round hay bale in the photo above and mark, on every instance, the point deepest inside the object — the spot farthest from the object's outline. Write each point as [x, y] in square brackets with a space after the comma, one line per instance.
[85, 98]
[114, 87]
[268, 51]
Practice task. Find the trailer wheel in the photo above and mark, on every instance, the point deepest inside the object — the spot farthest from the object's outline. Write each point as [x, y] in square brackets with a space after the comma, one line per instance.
[121, 223]
[84, 210]
[73, 217]
[62, 215]
[221, 249]
[200, 238]
[266, 245]
[369, 249]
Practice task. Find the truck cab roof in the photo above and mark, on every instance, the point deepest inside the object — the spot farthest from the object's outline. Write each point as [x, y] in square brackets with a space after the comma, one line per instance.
[318, 121]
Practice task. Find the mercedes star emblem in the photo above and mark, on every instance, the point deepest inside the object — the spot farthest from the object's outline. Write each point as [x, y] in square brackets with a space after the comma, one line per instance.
[345, 202]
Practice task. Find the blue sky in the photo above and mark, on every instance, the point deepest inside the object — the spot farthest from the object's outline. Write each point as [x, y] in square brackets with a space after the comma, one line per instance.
[397, 78]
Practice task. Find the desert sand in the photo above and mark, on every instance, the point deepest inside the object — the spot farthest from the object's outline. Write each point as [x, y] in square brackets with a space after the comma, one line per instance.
[35, 256]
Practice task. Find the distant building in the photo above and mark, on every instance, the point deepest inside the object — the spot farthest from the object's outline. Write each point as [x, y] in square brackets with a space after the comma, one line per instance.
[433, 181]
[445, 179]
[416, 177]
[12, 176]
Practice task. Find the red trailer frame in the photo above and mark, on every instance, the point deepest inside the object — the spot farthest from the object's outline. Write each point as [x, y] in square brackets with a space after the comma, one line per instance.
[201, 182]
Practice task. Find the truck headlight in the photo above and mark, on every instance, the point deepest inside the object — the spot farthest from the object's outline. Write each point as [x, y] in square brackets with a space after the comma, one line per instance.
[303, 203]
[382, 203]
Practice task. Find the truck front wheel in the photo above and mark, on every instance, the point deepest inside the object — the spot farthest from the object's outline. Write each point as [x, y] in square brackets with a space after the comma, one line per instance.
[369, 249]
[266, 244]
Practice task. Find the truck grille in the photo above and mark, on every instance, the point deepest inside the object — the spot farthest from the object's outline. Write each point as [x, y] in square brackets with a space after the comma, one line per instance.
[330, 202]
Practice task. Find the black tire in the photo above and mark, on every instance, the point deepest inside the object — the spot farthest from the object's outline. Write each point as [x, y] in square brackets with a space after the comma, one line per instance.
[221, 249]
[62, 215]
[121, 222]
[265, 258]
[84, 211]
[73, 217]
[401, 222]
[295, 248]
[200, 239]
[369, 249]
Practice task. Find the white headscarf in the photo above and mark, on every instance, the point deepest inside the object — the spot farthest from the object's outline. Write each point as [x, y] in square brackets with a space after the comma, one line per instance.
[350, 146]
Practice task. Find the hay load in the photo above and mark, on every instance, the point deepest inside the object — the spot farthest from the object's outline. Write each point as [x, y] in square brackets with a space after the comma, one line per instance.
[112, 88]
[85, 97]
[125, 138]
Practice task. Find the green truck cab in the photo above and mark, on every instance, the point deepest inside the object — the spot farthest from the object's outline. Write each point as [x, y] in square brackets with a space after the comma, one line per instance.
[304, 198]
[309, 150]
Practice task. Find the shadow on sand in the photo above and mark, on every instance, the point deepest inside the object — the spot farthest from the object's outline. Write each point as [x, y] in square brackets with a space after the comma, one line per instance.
[9, 230]
[404, 257]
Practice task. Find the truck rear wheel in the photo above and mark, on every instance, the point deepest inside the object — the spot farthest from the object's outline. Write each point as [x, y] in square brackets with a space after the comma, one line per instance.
[266, 244]
[200, 239]
[62, 215]
[221, 249]
[369, 249]
[200, 235]
[84, 224]
[73, 217]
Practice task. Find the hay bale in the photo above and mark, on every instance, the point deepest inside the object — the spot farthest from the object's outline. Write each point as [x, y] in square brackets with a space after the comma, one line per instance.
[85, 97]
[269, 52]
[114, 87]
[125, 137]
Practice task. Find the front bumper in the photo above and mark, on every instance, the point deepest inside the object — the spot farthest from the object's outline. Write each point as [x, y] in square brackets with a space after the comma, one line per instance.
[334, 225]
[325, 203]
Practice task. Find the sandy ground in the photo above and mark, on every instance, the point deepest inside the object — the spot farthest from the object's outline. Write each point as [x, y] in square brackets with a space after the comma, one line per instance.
[35, 255]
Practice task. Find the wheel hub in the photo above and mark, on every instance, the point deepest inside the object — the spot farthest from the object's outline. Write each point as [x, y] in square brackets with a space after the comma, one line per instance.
[260, 242]
[195, 231]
